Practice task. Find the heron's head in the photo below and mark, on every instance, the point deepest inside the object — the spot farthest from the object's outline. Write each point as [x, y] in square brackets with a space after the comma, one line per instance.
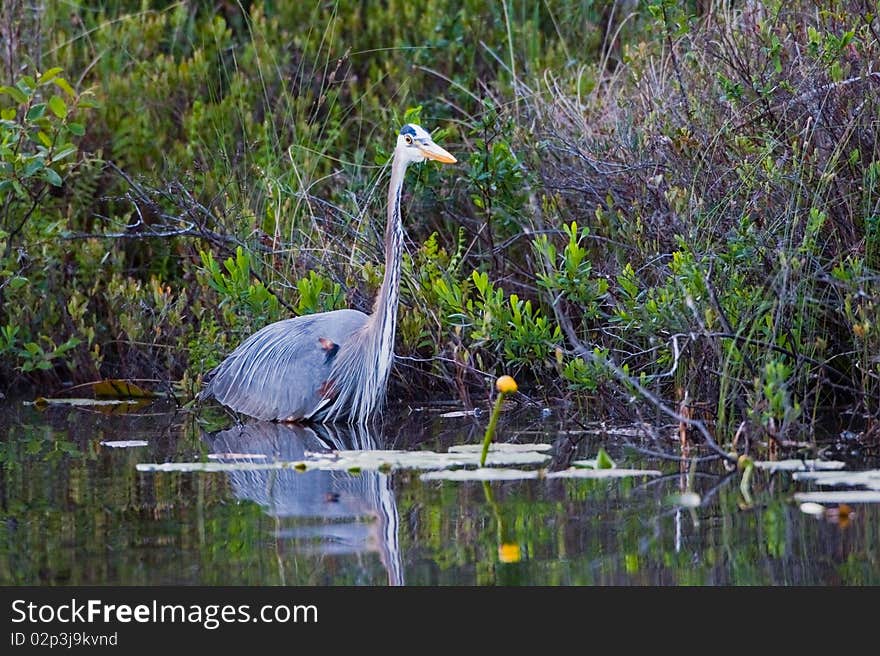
[414, 144]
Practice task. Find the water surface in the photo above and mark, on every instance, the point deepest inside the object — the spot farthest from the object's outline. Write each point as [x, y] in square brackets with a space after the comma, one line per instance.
[74, 511]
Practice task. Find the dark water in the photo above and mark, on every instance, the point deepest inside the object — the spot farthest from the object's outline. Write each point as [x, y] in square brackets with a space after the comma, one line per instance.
[73, 511]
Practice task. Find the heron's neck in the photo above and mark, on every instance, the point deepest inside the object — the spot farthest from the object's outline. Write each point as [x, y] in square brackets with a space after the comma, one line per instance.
[383, 321]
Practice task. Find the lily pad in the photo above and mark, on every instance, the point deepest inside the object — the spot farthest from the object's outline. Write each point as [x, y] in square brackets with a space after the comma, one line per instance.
[115, 388]
[496, 474]
[236, 456]
[869, 479]
[476, 412]
[124, 444]
[812, 508]
[42, 402]
[103, 406]
[685, 500]
[481, 474]
[187, 467]
[372, 459]
[366, 460]
[839, 496]
[500, 447]
[798, 465]
[580, 472]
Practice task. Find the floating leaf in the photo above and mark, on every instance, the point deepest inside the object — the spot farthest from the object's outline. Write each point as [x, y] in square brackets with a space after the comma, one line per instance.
[366, 460]
[106, 406]
[496, 474]
[812, 508]
[869, 478]
[500, 447]
[798, 465]
[42, 402]
[480, 474]
[237, 456]
[124, 444]
[460, 413]
[187, 467]
[119, 389]
[840, 496]
[685, 500]
[578, 472]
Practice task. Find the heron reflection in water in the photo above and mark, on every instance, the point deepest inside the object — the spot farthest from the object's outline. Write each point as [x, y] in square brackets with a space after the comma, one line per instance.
[332, 512]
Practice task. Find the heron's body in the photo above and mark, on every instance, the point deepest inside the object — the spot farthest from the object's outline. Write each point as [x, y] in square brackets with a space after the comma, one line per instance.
[291, 345]
[334, 365]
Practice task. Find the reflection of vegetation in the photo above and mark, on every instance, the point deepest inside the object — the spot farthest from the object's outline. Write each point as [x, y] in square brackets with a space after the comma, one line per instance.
[72, 512]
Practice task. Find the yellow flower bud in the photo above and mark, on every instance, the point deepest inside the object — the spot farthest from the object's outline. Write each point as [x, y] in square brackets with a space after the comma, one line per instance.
[506, 385]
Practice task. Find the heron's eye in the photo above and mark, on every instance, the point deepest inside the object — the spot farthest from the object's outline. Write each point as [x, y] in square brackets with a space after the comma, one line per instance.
[408, 140]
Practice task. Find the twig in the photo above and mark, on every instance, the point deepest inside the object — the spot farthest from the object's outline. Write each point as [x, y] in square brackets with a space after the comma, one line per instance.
[625, 379]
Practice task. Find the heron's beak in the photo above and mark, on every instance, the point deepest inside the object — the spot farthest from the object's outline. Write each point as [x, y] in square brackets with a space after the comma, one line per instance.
[433, 151]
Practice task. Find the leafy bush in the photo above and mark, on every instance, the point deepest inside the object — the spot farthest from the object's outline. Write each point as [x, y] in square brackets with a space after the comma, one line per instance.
[692, 187]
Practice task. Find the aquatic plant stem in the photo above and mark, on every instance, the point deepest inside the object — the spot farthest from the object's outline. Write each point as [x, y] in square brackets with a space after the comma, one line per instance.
[490, 429]
[504, 385]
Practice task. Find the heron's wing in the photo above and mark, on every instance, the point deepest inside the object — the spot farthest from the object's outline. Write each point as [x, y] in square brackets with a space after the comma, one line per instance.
[279, 372]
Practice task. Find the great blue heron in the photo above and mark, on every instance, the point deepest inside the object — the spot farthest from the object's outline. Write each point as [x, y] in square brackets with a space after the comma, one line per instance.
[330, 366]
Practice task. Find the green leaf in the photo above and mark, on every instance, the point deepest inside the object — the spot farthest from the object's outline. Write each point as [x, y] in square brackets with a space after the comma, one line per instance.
[8, 114]
[33, 167]
[603, 460]
[88, 103]
[64, 85]
[52, 177]
[413, 114]
[17, 282]
[63, 152]
[49, 75]
[16, 94]
[36, 112]
[58, 107]
[44, 139]
[76, 129]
